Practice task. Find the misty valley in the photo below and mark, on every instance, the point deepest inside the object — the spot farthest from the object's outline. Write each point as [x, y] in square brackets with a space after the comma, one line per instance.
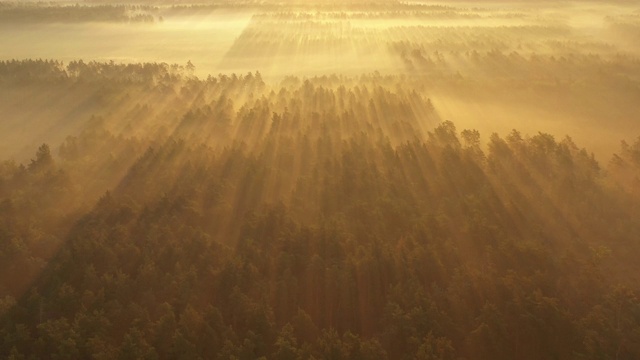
[319, 180]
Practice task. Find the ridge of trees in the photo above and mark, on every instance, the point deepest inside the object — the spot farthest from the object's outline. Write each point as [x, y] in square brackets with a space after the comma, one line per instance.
[341, 219]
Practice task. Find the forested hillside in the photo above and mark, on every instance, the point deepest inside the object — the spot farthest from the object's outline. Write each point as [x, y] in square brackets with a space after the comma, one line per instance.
[332, 217]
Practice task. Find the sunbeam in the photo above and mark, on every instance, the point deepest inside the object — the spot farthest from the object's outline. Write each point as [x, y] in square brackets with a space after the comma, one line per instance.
[288, 179]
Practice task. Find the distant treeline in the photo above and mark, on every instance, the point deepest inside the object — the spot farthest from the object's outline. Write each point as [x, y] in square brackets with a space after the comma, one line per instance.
[39, 12]
[39, 71]
[329, 217]
[447, 14]
[284, 33]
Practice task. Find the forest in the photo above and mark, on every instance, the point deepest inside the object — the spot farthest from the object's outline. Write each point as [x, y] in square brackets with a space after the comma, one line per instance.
[472, 193]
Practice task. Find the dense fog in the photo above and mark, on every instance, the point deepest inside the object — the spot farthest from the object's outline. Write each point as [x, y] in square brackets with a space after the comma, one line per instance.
[328, 180]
